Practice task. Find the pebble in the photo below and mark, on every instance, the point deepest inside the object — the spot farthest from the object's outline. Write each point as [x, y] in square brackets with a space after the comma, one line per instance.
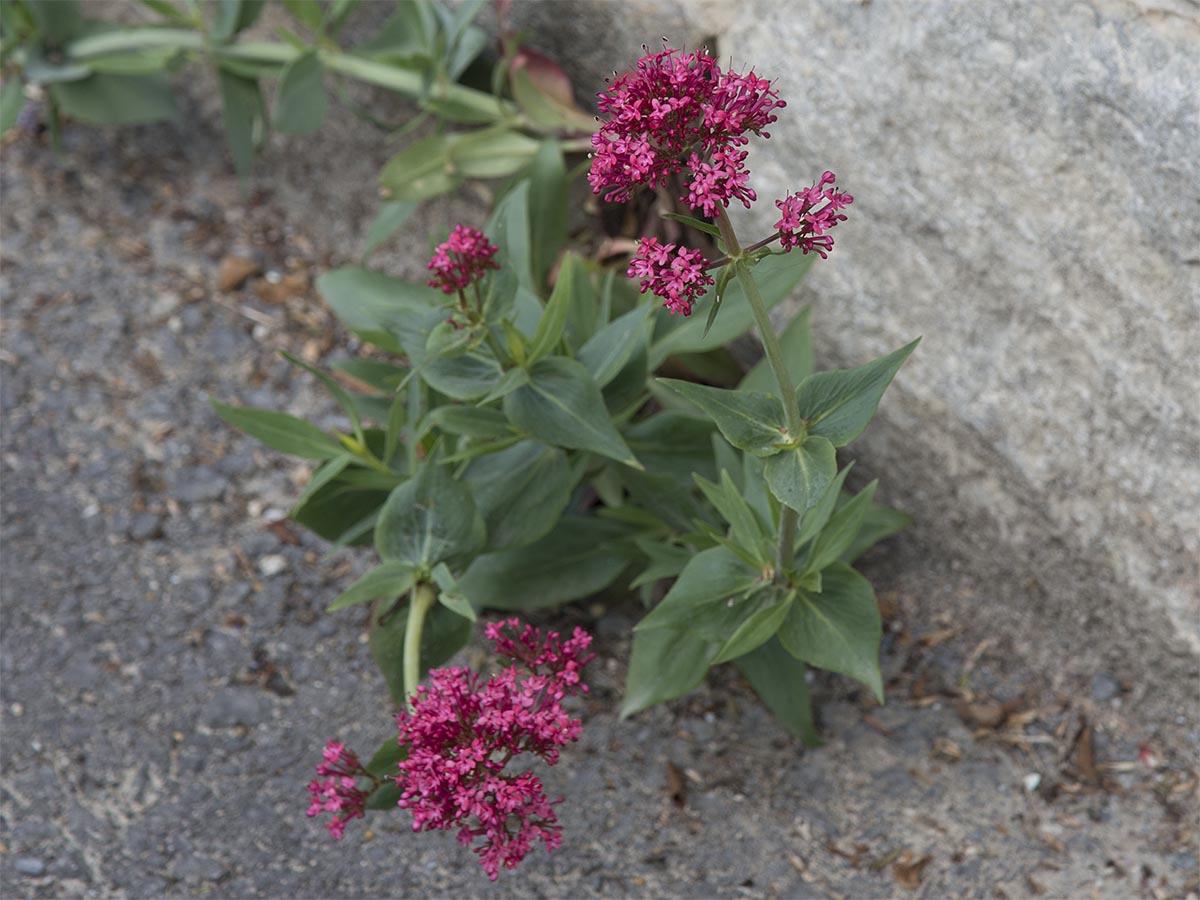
[197, 485]
[146, 527]
[194, 869]
[29, 865]
[234, 707]
[1104, 687]
[272, 565]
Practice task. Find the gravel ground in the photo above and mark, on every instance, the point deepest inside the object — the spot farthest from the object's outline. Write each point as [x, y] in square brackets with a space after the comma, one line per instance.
[168, 678]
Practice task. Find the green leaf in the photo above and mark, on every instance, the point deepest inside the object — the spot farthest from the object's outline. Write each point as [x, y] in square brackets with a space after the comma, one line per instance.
[12, 101]
[711, 579]
[116, 99]
[242, 109]
[468, 421]
[548, 196]
[508, 382]
[429, 519]
[467, 376]
[373, 305]
[798, 478]
[607, 351]
[817, 516]
[521, 492]
[146, 61]
[796, 341]
[780, 681]
[388, 581]
[444, 633]
[562, 406]
[340, 394]
[699, 225]
[422, 170]
[578, 558]
[756, 630]
[837, 536]
[776, 277]
[341, 513]
[554, 317]
[672, 502]
[509, 229]
[879, 522]
[492, 152]
[838, 629]
[301, 103]
[666, 663]
[665, 561]
[674, 444]
[308, 12]
[391, 216]
[324, 475]
[751, 422]
[233, 16]
[57, 20]
[839, 404]
[281, 432]
[746, 530]
[385, 377]
[544, 108]
[449, 594]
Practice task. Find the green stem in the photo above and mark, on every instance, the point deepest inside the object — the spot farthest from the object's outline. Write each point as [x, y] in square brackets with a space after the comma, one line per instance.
[773, 350]
[420, 600]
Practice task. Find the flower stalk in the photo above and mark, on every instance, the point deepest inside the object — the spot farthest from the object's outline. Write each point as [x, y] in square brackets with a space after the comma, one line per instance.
[773, 350]
[421, 599]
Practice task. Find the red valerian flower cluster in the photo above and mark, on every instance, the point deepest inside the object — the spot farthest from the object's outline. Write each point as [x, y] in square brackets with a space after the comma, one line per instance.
[461, 260]
[463, 732]
[339, 792]
[804, 223]
[681, 113]
[675, 111]
[676, 275]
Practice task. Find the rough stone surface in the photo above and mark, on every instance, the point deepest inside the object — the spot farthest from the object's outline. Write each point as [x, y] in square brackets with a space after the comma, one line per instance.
[162, 705]
[1027, 197]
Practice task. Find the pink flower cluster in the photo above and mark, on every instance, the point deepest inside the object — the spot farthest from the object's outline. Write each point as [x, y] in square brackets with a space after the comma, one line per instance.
[463, 732]
[675, 111]
[339, 792]
[804, 223]
[461, 260]
[675, 275]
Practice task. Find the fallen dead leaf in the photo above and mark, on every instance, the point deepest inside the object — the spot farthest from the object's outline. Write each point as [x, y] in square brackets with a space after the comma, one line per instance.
[908, 871]
[946, 749]
[676, 785]
[293, 285]
[1083, 757]
[234, 271]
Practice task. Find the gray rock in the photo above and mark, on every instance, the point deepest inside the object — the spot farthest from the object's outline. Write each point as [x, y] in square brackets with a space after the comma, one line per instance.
[235, 706]
[29, 865]
[195, 869]
[146, 527]
[990, 147]
[1104, 687]
[197, 485]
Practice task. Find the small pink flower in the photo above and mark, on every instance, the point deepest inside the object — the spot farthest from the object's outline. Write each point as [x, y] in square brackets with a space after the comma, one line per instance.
[804, 222]
[461, 260]
[339, 792]
[463, 732]
[675, 275]
[718, 182]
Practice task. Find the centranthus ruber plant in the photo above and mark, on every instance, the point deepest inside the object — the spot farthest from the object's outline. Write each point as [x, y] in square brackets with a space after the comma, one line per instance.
[510, 446]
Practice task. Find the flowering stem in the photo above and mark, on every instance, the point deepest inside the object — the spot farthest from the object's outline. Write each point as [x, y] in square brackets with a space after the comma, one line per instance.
[787, 387]
[757, 245]
[421, 599]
